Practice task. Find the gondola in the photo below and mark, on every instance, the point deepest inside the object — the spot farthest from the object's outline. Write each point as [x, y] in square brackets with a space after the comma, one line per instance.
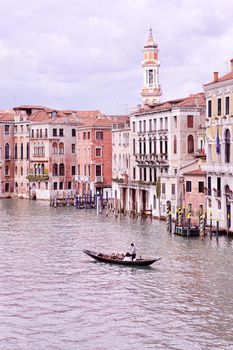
[114, 260]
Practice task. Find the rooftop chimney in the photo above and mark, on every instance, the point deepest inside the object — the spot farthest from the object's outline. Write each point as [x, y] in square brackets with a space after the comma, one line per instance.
[215, 76]
[232, 65]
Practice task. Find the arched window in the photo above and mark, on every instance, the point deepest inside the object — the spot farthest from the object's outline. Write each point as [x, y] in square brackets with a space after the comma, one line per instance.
[61, 169]
[35, 169]
[21, 151]
[227, 146]
[190, 144]
[175, 145]
[54, 145]
[61, 148]
[7, 151]
[16, 151]
[39, 172]
[42, 169]
[55, 169]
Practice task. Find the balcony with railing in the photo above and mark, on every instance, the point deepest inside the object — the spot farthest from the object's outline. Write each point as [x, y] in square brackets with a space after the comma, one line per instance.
[99, 179]
[152, 159]
[218, 168]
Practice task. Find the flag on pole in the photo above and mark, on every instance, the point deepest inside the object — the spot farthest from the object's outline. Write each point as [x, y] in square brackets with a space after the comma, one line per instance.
[218, 146]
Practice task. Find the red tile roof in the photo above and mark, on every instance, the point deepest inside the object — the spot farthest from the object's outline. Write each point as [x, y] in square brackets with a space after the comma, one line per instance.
[225, 77]
[197, 172]
[25, 107]
[6, 116]
[191, 101]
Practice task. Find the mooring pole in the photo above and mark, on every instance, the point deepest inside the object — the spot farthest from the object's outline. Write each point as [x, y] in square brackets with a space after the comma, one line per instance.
[217, 229]
[211, 225]
[189, 223]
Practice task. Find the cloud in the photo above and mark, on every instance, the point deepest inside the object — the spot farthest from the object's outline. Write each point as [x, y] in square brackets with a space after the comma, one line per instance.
[85, 54]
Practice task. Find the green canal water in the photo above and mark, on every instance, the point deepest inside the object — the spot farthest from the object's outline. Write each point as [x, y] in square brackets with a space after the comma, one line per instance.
[52, 296]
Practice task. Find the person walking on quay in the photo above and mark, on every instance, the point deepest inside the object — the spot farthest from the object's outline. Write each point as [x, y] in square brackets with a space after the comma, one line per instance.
[133, 251]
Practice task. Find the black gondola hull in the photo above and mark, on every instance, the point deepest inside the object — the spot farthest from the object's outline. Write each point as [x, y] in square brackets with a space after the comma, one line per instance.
[137, 262]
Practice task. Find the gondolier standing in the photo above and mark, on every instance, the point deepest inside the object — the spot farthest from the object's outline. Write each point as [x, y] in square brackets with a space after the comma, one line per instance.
[133, 251]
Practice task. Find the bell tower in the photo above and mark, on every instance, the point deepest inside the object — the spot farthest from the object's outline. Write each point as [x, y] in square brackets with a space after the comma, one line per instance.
[150, 90]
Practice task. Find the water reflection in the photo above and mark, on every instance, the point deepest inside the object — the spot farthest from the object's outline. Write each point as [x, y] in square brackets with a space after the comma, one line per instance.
[52, 296]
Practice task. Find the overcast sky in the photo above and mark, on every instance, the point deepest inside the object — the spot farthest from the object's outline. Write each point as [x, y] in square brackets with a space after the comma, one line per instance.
[86, 54]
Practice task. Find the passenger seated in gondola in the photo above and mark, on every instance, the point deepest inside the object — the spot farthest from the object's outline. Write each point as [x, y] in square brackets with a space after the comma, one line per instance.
[127, 257]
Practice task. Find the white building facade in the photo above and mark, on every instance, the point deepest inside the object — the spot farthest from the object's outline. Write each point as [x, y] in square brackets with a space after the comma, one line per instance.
[219, 168]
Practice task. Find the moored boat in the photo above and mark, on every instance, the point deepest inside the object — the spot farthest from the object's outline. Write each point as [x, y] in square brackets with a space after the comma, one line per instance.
[119, 260]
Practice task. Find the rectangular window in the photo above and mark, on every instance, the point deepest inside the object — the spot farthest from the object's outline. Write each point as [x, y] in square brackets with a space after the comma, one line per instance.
[163, 188]
[73, 132]
[37, 133]
[99, 135]
[200, 186]
[209, 186]
[173, 189]
[55, 185]
[88, 135]
[73, 148]
[7, 129]
[145, 178]
[78, 169]
[73, 170]
[219, 106]
[61, 133]
[134, 147]
[140, 126]
[134, 173]
[188, 186]
[46, 133]
[84, 135]
[190, 121]
[227, 105]
[54, 132]
[98, 152]
[209, 109]
[98, 170]
[175, 121]
[32, 133]
[60, 185]
[41, 133]
[134, 127]
[69, 185]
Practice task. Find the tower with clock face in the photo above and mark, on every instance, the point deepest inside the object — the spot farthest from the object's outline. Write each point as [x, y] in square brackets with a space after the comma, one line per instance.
[151, 91]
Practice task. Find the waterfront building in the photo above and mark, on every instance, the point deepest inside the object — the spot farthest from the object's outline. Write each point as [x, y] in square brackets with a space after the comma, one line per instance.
[194, 194]
[121, 160]
[6, 153]
[165, 145]
[219, 168]
[151, 90]
[94, 156]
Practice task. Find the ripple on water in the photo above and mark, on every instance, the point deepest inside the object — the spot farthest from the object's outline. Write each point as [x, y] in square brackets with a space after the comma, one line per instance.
[52, 296]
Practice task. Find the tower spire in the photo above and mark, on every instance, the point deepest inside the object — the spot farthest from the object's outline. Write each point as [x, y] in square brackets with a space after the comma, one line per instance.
[151, 90]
